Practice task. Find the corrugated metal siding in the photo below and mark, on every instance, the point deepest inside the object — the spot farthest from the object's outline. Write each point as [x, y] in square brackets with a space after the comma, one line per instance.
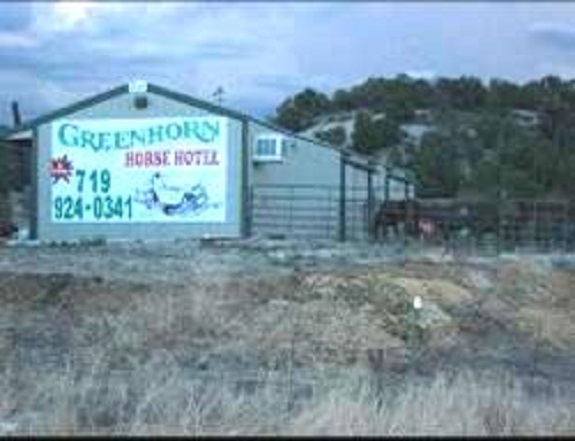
[305, 163]
[299, 196]
[121, 107]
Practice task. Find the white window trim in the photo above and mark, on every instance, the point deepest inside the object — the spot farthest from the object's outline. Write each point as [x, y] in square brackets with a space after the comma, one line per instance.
[277, 157]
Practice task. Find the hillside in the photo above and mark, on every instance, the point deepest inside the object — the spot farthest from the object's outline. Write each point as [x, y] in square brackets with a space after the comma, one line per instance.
[338, 128]
[460, 136]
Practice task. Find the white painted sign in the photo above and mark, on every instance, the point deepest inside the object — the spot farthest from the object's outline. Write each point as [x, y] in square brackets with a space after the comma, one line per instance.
[139, 170]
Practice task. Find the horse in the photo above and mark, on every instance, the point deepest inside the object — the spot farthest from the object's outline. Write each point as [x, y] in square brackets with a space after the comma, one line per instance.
[396, 214]
[423, 223]
[7, 229]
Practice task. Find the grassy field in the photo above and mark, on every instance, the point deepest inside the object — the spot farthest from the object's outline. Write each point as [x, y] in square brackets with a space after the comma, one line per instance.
[189, 339]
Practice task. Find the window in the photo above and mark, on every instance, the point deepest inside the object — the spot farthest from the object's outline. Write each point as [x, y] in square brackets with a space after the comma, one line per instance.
[269, 148]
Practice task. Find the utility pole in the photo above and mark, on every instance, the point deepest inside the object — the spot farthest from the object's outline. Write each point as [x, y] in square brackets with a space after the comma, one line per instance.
[16, 117]
[219, 95]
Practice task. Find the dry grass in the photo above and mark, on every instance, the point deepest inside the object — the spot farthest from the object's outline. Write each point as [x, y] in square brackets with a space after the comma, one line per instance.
[159, 398]
[464, 405]
[231, 355]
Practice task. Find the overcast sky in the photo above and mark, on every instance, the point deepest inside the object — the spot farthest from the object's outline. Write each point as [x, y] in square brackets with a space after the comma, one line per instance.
[52, 54]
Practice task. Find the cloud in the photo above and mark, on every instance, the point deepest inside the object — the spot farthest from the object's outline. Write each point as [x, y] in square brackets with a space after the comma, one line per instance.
[559, 35]
[53, 53]
[278, 82]
[69, 15]
[82, 47]
[15, 16]
[16, 40]
[62, 17]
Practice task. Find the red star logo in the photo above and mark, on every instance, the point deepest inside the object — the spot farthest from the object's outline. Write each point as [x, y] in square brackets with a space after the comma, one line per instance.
[61, 168]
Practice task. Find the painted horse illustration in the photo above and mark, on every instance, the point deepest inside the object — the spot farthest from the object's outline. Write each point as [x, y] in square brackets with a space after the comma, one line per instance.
[173, 199]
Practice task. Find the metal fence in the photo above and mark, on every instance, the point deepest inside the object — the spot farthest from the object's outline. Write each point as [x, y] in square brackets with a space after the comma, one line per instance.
[517, 225]
[312, 211]
[319, 212]
[295, 211]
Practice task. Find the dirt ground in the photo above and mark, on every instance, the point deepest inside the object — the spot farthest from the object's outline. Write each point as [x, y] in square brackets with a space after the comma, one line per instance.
[246, 306]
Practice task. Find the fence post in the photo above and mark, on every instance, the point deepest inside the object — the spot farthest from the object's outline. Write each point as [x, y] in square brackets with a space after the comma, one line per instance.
[535, 227]
[370, 203]
[570, 229]
[386, 187]
[342, 197]
[565, 225]
[499, 223]
[329, 213]
[291, 199]
[250, 211]
[244, 191]
[408, 214]
[5, 184]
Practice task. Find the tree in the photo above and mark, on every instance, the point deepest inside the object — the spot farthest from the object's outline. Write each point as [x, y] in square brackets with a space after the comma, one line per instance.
[288, 116]
[436, 167]
[298, 113]
[478, 144]
[371, 135]
[342, 100]
[364, 138]
[514, 161]
[399, 112]
[503, 94]
[387, 132]
[464, 93]
[335, 136]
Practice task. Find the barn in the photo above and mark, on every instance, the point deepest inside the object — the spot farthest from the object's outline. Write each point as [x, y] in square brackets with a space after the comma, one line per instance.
[141, 161]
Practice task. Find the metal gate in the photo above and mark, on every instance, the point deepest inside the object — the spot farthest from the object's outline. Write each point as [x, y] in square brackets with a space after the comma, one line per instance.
[308, 211]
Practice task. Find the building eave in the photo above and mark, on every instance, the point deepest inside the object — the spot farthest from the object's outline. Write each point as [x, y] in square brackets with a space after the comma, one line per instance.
[22, 135]
[64, 111]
